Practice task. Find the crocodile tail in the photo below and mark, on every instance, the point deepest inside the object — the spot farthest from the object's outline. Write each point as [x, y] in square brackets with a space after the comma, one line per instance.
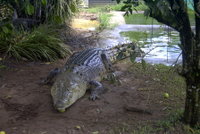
[123, 51]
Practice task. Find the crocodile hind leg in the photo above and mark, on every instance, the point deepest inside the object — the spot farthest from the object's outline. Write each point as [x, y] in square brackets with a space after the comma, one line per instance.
[51, 76]
[96, 90]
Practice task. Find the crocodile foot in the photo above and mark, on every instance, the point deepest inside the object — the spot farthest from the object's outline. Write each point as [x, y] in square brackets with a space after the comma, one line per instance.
[94, 97]
[113, 78]
[96, 90]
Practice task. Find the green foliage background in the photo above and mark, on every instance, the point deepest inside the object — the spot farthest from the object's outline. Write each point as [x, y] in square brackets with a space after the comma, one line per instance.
[42, 43]
[56, 11]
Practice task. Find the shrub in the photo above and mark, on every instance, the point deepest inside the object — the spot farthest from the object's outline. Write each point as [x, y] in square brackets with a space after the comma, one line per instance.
[42, 43]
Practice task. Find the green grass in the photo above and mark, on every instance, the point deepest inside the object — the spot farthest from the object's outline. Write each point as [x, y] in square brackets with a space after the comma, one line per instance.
[171, 120]
[118, 7]
[128, 129]
[170, 125]
[104, 21]
[113, 7]
[143, 20]
[43, 43]
[140, 19]
[102, 9]
[166, 79]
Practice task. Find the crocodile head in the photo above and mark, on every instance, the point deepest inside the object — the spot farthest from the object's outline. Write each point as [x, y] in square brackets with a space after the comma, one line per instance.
[67, 88]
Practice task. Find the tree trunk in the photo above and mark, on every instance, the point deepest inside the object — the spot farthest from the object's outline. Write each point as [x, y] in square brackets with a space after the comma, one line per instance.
[192, 102]
[191, 72]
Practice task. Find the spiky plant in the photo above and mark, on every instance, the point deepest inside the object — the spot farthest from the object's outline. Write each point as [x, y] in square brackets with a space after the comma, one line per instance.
[41, 44]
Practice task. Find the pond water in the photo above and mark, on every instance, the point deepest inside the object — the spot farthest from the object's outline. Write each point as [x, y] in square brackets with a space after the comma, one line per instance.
[160, 47]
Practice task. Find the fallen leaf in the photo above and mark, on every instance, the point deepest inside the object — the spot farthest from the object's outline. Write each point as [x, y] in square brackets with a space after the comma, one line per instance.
[96, 132]
[78, 127]
[8, 97]
[2, 132]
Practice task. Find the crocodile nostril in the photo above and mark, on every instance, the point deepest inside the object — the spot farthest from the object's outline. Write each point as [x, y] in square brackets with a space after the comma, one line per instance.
[59, 104]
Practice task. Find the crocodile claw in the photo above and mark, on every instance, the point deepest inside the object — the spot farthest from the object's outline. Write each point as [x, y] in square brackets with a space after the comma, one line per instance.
[94, 97]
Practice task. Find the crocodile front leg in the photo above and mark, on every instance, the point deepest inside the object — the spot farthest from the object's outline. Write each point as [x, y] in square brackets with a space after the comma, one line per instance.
[96, 90]
[109, 68]
[107, 63]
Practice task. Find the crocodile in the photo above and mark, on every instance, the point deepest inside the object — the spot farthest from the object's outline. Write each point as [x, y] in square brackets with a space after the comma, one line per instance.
[83, 70]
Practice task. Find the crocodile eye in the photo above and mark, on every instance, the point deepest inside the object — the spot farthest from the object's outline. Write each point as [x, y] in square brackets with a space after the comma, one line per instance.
[66, 93]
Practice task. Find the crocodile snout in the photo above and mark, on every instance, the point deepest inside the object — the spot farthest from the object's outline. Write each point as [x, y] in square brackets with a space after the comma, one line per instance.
[59, 106]
[61, 110]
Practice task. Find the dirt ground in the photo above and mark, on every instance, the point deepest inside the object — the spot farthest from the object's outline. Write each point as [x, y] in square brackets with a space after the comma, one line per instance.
[26, 105]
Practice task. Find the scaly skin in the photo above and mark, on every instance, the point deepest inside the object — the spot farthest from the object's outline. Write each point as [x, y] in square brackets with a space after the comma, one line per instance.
[83, 70]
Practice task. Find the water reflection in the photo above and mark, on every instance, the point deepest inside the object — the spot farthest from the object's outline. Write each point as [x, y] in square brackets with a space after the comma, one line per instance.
[162, 48]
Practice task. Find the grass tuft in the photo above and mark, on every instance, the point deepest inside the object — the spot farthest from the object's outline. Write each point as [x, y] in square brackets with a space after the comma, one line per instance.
[171, 121]
[104, 21]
